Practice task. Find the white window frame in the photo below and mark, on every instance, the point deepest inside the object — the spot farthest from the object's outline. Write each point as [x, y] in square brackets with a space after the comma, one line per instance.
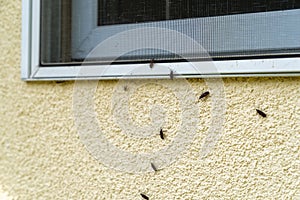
[31, 69]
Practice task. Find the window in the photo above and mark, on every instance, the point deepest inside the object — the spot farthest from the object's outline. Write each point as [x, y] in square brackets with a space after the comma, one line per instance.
[100, 39]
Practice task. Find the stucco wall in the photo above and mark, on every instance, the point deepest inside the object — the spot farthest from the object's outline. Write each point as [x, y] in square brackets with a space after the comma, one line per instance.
[42, 157]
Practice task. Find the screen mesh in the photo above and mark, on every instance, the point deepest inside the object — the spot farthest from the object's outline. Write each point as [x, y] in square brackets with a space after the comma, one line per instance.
[136, 11]
[232, 29]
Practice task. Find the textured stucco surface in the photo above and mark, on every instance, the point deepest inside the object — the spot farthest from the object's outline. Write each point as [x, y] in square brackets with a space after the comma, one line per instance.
[42, 157]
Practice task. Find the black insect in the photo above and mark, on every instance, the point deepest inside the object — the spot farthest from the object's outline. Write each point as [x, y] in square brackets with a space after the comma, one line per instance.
[59, 82]
[171, 74]
[161, 133]
[261, 113]
[205, 94]
[153, 167]
[144, 196]
[125, 88]
[151, 63]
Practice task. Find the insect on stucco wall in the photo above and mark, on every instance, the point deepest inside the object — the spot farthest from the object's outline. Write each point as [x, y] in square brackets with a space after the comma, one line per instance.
[144, 196]
[154, 167]
[161, 133]
[261, 113]
[203, 95]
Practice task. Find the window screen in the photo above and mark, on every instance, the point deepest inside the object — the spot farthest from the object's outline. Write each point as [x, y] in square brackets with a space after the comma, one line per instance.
[232, 29]
[133, 11]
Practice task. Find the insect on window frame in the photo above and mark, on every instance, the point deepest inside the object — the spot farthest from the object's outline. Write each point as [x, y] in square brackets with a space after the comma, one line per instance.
[152, 63]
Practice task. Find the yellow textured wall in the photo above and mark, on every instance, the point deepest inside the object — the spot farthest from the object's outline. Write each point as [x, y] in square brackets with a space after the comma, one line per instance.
[42, 157]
